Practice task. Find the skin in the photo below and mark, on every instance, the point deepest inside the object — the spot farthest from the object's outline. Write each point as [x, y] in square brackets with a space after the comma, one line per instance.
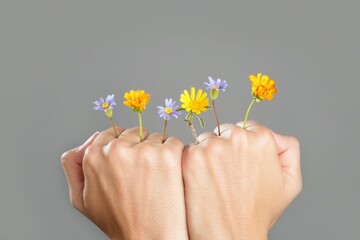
[237, 185]
[129, 189]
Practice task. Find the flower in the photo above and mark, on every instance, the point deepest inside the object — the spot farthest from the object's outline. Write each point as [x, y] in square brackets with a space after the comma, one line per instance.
[216, 85]
[104, 105]
[263, 87]
[136, 100]
[169, 110]
[107, 106]
[194, 104]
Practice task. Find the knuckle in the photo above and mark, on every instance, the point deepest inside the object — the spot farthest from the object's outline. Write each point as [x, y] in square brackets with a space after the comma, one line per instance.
[239, 136]
[193, 158]
[76, 202]
[294, 141]
[171, 158]
[265, 136]
[67, 156]
[90, 156]
[147, 155]
[113, 147]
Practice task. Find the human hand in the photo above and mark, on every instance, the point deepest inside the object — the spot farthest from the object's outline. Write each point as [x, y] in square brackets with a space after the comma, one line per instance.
[239, 183]
[129, 189]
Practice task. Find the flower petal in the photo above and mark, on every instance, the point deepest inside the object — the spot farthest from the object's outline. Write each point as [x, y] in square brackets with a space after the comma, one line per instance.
[212, 81]
[192, 93]
[199, 94]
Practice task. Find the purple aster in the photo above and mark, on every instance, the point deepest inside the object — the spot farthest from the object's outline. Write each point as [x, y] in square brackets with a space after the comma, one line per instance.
[216, 85]
[104, 105]
[169, 110]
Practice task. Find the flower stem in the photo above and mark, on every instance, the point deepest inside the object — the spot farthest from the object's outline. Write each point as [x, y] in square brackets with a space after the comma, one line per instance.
[248, 111]
[113, 125]
[140, 126]
[216, 117]
[164, 132]
[193, 131]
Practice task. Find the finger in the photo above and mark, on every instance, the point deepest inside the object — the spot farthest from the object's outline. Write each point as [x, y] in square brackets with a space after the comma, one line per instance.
[255, 127]
[154, 138]
[281, 142]
[174, 141]
[72, 164]
[225, 129]
[206, 135]
[132, 135]
[106, 136]
[289, 153]
[249, 124]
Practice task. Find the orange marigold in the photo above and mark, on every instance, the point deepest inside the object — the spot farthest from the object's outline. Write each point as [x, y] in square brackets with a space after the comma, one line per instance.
[136, 100]
[263, 87]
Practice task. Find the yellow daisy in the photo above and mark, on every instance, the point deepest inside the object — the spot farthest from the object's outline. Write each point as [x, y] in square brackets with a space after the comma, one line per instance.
[194, 103]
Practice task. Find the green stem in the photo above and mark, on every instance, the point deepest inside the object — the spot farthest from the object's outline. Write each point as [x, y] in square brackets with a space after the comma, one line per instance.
[216, 117]
[113, 125]
[164, 132]
[140, 125]
[248, 111]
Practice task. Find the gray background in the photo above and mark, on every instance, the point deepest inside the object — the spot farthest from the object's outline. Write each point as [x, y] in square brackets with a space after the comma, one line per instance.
[56, 57]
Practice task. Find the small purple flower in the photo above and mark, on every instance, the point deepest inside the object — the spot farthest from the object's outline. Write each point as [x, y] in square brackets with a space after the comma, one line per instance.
[169, 110]
[216, 85]
[104, 105]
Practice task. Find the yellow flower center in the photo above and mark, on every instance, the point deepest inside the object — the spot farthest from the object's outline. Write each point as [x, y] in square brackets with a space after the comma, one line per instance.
[195, 106]
[168, 111]
[105, 105]
[215, 87]
[194, 102]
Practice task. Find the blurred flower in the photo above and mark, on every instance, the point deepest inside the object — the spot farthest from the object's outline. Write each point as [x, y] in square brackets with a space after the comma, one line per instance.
[107, 106]
[169, 110]
[194, 104]
[263, 87]
[136, 100]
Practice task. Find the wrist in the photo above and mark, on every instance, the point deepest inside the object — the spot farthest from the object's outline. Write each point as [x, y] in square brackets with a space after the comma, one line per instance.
[254, 232]
[153, 235]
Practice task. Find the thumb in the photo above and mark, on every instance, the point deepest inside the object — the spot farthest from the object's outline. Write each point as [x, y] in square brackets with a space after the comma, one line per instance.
[71, 162]
[289, 156]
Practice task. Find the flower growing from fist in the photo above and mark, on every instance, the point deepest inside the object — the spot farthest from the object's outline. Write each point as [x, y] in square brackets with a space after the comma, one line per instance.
[170, 110]
[194, 103]
[215, 87]
[263, 88]
[107, 106]
[137, 100]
